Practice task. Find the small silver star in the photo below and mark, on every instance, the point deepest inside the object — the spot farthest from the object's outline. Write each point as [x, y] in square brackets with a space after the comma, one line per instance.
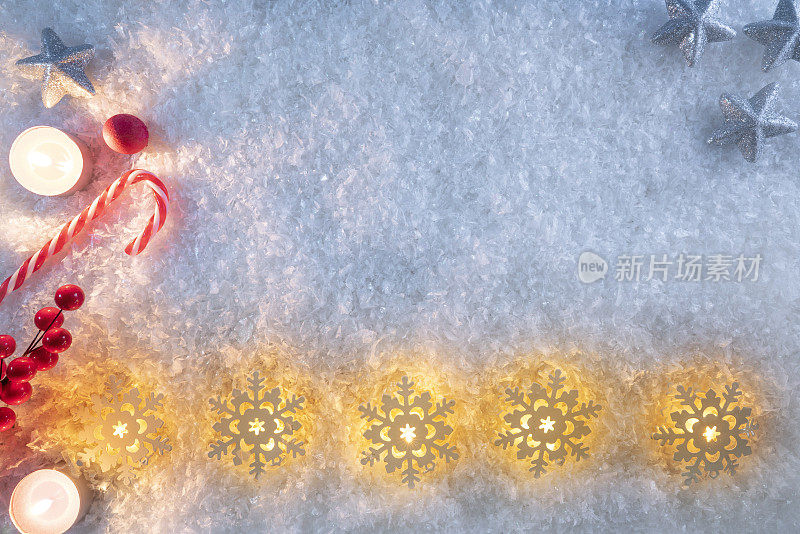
[749, 122]
[691, 25]
[60, 67]
[780, 36]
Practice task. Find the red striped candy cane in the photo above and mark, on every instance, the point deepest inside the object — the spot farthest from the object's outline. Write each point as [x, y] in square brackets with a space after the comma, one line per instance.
[72, 228]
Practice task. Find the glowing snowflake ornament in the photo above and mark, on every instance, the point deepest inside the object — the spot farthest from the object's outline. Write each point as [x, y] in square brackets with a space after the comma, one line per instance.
[257, 424]
[711, 434]
[407, 432]
[125, 435]
[547, 426]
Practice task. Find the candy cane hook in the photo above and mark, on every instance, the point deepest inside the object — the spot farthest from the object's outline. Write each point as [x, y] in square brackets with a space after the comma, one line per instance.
[72, 228]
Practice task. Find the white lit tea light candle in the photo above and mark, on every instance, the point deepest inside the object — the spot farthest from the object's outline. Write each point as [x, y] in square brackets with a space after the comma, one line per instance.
[48, 502]
[47, 161]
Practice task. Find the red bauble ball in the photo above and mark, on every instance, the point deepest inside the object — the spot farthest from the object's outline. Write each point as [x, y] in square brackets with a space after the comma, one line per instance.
[57, 340]
[45, 360]
[7, 418]
[125, 134]
[15, 393]
[7, 346]
[69, 297]
[48, 318]
[23, 369]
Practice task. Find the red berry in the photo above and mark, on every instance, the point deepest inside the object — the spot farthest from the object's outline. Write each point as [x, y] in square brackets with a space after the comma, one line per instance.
[23, 369]
[7, 418]
[48, 318]
[15, 393]
[45, 360]
[7, 346]
[57, 340]
[3, 366]
[125, 133]
[69, 297]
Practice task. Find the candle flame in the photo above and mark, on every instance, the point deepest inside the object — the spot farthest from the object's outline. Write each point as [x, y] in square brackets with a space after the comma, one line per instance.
[41, 506]
[39, 159]
[64, 166]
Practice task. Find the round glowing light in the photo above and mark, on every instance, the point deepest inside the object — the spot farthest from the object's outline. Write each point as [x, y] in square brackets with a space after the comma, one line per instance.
[48, 502]
[47, 161]
[395, 442]
[709, 432]
[42, 507]
[543, 441]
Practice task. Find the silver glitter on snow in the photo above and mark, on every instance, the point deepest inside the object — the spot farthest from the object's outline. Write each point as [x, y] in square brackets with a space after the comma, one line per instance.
[749, 122]
[60, 67]
[780, 36]
[691, 25]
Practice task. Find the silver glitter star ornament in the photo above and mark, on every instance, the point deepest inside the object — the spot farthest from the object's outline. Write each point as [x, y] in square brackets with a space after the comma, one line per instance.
[749, 122]
[691, 25]
[780, 36]
[60, 67]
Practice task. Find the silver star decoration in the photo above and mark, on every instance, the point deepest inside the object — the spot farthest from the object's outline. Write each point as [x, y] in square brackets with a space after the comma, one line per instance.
[749, 122]
[781, 35]
[60, 67]
[691, 25]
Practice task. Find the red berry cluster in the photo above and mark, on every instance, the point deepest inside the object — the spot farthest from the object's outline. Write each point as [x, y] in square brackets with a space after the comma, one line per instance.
[15, 376]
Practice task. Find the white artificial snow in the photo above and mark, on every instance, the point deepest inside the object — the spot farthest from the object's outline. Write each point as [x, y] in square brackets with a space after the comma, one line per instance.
[353, 179]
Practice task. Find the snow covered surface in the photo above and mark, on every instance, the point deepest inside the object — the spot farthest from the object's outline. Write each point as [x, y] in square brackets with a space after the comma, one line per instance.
[354, 180]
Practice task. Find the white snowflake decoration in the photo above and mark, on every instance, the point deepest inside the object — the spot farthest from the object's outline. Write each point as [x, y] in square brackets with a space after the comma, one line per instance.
[711, 434]
[257, 423]
[407, 433]
[125, 433]
[547, 427]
